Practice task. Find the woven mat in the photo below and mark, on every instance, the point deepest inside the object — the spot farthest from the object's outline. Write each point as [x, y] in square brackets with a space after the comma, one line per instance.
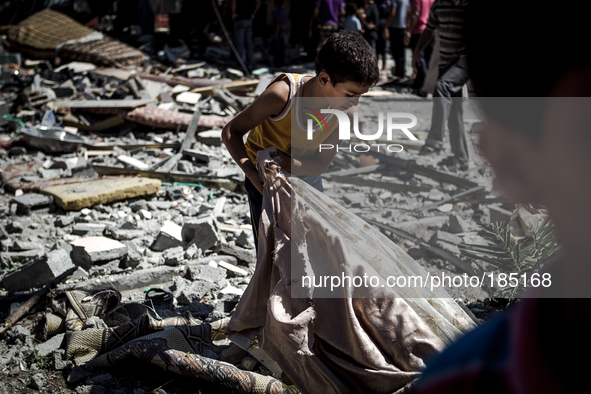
[42, 33]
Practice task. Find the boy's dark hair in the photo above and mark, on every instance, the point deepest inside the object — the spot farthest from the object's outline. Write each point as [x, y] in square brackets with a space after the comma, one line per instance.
[350, 9]
[513, 53]
[347, 57]
[279, 3]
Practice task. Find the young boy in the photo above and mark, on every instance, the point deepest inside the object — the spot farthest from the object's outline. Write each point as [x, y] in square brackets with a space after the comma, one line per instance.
[345, 67]
[351, 22]
[535, 140]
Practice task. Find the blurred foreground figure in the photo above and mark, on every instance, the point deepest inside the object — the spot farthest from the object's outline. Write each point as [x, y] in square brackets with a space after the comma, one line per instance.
[538, 126]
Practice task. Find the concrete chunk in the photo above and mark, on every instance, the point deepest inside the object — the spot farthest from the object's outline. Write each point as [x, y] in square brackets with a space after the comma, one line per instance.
[186, 291]
[88, 228]
[31, 201]
[202, 231]
[246, 255]
[76, 196]
[169, 237]
[51, 345]
[92, 250]
[54, 266]
[174, 256]
[457, 224]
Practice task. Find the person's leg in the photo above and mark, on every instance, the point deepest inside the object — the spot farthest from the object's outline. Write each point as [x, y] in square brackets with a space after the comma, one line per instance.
[457, 76]
[255, 200]
[432, 71]
[422, 69]
[397, 48]
[441, 108]
[249, 44]
[239, 39]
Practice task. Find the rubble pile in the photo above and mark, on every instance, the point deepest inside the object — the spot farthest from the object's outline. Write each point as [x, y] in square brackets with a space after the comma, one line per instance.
[116, 179]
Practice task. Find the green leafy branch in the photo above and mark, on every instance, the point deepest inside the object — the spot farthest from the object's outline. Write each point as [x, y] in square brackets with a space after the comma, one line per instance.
[511, 254]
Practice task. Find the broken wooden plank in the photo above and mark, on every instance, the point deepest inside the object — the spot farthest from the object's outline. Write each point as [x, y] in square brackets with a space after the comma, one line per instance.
[135, 163]
[353, 171]
[86, 104]
[108, 147]
[166, 165]
[455, 197]
[76, 196]
[462, 265]
[23, 310]
[113, 121]
[387, 185]
[207, 181]
[208, 90]
[432, 173]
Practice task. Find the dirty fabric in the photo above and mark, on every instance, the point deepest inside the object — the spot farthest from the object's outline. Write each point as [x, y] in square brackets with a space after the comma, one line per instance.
[135, 332]
[344, 345]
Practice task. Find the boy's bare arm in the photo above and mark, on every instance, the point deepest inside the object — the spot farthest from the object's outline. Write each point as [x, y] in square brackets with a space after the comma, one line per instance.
[312, 165]
[270, 102]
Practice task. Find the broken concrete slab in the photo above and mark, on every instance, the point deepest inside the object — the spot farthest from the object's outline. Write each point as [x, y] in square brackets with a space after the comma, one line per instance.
[7, 259]
[246, 255]
[95, 250]
[169, 237]
[186, 291]
[209, 273]
[457, 224]
[51, 345]
[202, 231]
[54, 266]
[140, 279]
[125, 234]
[76, 196]
[174, 256]
[88, 228]
[31, 201]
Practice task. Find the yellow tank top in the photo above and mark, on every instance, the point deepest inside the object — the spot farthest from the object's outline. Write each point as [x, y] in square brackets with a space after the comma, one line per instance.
[289, 136]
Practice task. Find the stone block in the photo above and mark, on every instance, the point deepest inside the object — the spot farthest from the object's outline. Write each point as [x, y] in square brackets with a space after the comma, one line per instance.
[88, 228]
[169, 237]
[54, 266]
[64, 220]
[125, 235]
[31, 201]
[457, 224]
[95, 250]
[51, 345]
[174, 256]
[246, 255]
[186, 291]
[202, 231]
[76, 196]
[207, 272]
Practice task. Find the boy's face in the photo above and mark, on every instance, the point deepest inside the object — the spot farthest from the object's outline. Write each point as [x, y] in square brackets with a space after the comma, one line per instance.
[555, 170]
[348, 90]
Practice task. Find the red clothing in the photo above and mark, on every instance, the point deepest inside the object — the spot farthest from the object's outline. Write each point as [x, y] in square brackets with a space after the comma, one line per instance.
[424, 6]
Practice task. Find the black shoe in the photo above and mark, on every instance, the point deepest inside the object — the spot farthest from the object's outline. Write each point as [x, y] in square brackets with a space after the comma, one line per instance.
[453, 164]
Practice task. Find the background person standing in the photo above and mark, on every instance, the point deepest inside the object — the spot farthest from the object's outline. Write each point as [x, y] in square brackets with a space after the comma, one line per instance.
[395, 25]
[243, 13]
[416, 21]
[449, 17]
